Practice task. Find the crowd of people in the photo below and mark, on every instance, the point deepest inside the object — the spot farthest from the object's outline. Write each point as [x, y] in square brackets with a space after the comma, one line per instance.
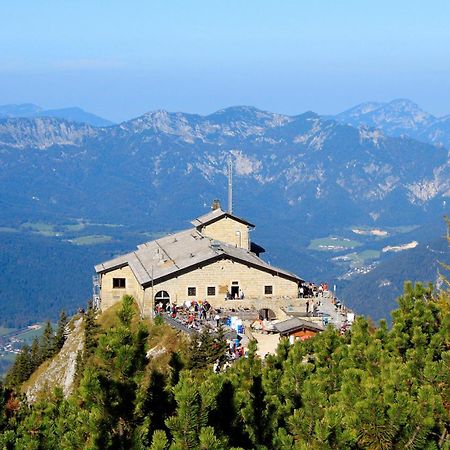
[197, 315]
[311, 290]
[237, 295]
[193, 314]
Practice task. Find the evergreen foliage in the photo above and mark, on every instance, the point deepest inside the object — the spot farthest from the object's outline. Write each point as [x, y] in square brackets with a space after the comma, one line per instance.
[30, 358]
[206, 348]
[60, 336]
[371, 388]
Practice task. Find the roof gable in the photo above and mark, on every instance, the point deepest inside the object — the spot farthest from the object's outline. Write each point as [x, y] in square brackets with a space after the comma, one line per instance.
[215, 215]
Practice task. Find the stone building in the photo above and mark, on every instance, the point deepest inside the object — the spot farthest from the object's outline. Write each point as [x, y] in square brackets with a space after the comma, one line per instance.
[214, 260]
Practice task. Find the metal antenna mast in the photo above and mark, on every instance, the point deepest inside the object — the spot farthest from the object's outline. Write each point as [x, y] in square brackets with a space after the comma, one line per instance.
[230, 184]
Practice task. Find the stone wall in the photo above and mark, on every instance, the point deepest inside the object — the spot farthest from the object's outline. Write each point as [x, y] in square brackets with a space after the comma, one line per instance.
[110, 295]
[230, 231]
[219, 274]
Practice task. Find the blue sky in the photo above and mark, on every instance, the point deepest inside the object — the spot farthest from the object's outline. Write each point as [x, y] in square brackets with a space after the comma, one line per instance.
[120, 59]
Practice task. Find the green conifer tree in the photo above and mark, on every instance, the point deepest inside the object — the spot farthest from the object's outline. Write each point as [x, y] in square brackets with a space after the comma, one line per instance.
[60, 336]
[22, 368]
[176, 365]
[36, 353]
[159, 441]
[186, 424]
[47, 342]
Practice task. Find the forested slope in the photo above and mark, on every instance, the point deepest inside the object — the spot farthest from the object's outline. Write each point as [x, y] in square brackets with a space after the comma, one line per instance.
[371, 388]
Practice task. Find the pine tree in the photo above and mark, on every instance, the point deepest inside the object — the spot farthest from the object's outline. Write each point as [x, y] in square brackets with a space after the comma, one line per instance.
[159, 441]
[154, 405]
[47, 342]
[219, 346]
[60, 336]
[90, 335]
[185, 425]
[36, 353]
[22, 368]
[206, 348]
[209, 441]
[126, 312]
[176, 365]
[255, 414]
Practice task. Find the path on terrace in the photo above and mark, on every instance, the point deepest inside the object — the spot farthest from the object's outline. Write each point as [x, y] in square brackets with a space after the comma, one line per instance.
[336, 317]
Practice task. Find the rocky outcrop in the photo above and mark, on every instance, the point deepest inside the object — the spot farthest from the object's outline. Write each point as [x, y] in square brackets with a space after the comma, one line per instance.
[42, 133]
[60, 370]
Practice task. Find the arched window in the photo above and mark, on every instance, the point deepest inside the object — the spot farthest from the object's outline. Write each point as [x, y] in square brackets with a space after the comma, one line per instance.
[163, 297]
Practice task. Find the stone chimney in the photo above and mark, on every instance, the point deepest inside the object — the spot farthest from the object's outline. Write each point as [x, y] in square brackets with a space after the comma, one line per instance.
[215, 204]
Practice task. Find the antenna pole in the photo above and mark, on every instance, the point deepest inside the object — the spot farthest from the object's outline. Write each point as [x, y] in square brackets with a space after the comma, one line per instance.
[230, 184]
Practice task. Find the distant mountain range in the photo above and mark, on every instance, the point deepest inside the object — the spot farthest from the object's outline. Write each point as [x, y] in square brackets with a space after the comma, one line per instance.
[73, 114]
[396, 118]
[399, 117]
[328, 198]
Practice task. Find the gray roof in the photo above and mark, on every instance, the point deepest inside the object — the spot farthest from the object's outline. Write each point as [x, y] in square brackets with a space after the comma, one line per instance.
[217, 214]
[296, 324]
[165, 257]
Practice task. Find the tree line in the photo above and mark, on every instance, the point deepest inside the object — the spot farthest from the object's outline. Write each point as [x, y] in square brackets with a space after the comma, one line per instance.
[370, 388]
[41, 349]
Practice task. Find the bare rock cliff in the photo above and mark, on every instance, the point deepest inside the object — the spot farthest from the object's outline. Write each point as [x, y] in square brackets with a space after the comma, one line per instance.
[60, 370]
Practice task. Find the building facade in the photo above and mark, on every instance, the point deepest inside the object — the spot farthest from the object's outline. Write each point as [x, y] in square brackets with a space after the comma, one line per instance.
[214, 260]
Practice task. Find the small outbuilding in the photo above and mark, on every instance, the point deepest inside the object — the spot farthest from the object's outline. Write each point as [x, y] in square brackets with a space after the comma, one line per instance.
[296, 328]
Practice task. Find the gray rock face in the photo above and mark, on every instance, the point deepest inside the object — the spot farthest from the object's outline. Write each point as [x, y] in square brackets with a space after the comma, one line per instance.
[61, 369]
[42, 133]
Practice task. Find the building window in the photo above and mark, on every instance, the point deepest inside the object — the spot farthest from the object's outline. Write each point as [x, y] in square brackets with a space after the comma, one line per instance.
[238, 239]
[118, 283]
[268, 290]
[192, 291]
[211, 290]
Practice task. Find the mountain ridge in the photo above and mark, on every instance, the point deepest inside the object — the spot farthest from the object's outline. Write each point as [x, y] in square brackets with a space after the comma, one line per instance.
[72, 114]
[300, 177]
[399, 117]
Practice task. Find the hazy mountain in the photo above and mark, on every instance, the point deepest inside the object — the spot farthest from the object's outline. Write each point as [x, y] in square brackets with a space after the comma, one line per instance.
[73, 114]
[23, 110]
[399, 117]
[297, 177]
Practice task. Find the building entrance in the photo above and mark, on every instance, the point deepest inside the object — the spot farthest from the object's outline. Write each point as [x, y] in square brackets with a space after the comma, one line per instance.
[162, 297]
[234, 289]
